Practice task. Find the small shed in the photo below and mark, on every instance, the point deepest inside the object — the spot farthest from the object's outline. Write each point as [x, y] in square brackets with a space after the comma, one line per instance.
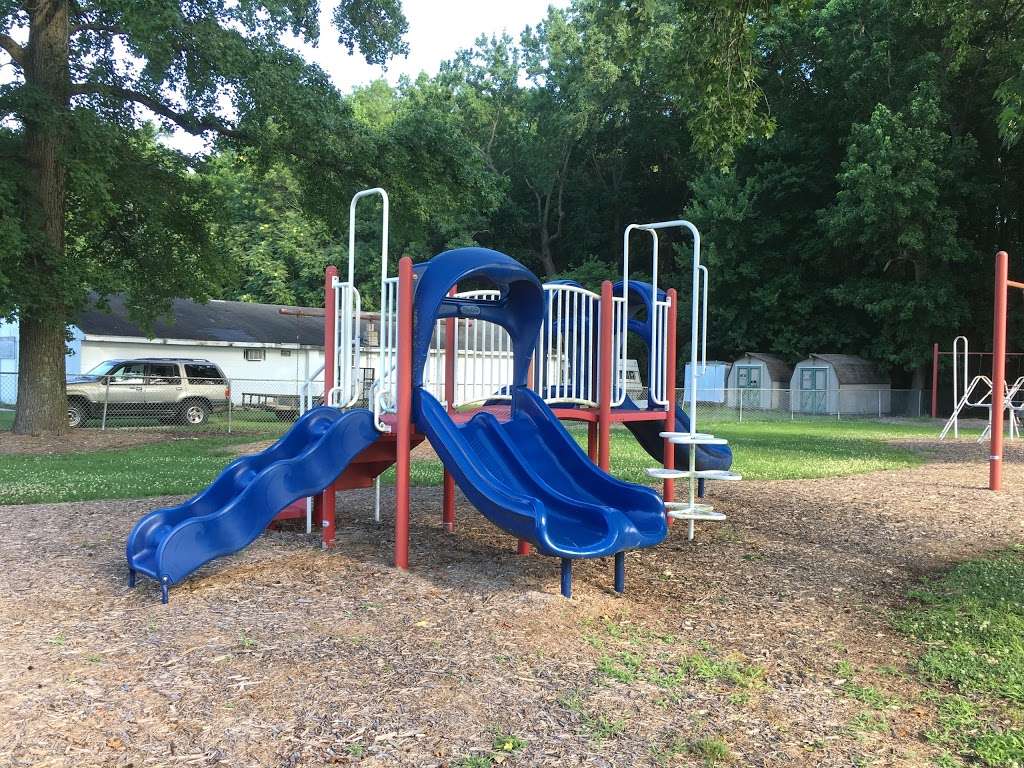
[840, 384]
[759, 380]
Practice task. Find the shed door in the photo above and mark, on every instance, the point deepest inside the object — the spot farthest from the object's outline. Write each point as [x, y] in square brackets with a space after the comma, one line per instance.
[748, 379]
[813, 390]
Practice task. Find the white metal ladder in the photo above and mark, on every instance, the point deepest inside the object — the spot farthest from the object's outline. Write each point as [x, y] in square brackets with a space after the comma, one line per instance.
[690, 510]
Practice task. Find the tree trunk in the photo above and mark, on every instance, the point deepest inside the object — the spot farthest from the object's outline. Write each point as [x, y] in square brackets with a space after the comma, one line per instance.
[41, 378]
[41, 400]
[547, 259]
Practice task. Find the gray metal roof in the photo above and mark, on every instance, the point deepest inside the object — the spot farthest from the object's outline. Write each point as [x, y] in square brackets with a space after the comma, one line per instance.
[228, 321]
[778, 369]
[851, 369]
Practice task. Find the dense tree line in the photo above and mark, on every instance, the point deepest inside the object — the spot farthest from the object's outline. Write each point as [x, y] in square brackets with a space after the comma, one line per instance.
[852, 164]
[854, 205]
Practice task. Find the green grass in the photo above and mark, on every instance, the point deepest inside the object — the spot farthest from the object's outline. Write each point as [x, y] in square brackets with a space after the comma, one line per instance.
[167, 468]
[971, 624]
[6, 420]
[763, 451]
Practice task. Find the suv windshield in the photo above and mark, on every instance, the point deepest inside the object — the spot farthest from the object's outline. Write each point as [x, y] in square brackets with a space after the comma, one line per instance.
[103, 368]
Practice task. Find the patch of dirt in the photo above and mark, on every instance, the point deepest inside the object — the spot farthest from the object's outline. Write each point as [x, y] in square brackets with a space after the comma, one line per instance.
[82, 440]
[286, 655]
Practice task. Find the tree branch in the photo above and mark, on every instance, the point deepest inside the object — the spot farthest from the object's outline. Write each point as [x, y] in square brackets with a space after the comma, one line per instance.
[95, 26]
[15, 51]
[195, 124]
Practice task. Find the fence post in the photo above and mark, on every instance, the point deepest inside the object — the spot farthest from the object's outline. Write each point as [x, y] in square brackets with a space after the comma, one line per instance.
[741, 407]
[106, 399]
[879, 403]
[231, 401]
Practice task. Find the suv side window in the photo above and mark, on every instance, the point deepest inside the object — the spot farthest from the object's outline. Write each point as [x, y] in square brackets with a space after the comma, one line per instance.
[128, 372]
[163, 373]
[203, 373]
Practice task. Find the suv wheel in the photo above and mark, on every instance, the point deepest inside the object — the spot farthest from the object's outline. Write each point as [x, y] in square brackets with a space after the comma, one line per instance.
[77, 414]
[195, 413]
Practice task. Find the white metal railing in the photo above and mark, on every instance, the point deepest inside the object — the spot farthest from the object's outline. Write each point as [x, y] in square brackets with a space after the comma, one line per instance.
[620, 338]
[384, 390]
[347, 307]
[565, 368]
[483, 355]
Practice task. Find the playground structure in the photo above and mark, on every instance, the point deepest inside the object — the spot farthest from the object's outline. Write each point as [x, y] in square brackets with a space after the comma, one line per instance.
[561, 355]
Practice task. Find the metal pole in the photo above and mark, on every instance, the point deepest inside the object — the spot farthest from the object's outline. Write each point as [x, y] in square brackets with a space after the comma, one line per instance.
[935, 380]
[404, 425]
[327, 505]
[995, 465]
[669, 490]
[605, 379]
[448, 508]
[106, 399]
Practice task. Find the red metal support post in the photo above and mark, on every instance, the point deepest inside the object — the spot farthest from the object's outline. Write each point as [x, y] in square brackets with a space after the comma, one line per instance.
[604, 379]
[995, 459]
[592, 440]
[328, 498]
[669, 491]
[448, 506]
[935, 380]
[403, 427]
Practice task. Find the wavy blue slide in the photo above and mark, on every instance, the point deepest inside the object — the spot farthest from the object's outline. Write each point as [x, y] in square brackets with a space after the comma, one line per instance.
[169, 544]
[529, 477]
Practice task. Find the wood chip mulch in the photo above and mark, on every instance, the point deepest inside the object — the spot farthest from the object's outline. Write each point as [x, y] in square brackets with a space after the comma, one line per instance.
[285, 655]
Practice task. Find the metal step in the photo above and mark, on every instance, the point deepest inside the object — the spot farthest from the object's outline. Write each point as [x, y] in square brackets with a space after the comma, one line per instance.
[699, 474]
[685, 511]
[697, 438]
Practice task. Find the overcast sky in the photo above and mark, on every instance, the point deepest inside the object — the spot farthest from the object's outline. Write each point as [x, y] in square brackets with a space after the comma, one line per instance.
[437, 29]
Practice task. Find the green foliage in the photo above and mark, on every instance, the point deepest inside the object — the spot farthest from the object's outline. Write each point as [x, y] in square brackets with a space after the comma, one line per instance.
[713, 750]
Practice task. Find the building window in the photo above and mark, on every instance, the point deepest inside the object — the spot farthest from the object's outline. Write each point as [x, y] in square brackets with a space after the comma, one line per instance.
[255, 355]
[286, 353]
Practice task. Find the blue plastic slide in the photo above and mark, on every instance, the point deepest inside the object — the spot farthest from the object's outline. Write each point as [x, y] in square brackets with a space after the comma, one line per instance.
[648, 434]
[529, 477]
[169, 544]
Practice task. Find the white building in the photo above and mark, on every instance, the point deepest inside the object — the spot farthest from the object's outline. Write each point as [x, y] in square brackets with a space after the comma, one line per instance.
[843, 384]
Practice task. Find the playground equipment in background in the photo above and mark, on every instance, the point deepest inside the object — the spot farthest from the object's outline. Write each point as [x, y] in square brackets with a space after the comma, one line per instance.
[961, 357]
[1003, 284]
[980, 388]
[511, 456]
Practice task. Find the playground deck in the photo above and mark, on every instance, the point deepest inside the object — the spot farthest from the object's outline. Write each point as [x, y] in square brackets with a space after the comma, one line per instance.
[288, 655]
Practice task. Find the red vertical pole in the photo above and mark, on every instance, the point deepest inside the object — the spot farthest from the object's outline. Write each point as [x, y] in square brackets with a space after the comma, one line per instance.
[592, 440]
[327, 503]
[935, 380]
[403, 428]
[669, 492]
[604, 379]
[995, 459]
[448, 507]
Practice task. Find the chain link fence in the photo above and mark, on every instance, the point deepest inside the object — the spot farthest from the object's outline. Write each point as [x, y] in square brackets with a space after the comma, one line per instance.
[215, 404]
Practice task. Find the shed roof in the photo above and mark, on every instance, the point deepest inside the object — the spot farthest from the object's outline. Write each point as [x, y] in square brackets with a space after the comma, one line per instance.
[851, 369]
[778, 369]
[227, 321]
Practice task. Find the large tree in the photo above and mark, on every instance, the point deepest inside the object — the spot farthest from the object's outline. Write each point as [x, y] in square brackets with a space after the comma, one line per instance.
[89, 73]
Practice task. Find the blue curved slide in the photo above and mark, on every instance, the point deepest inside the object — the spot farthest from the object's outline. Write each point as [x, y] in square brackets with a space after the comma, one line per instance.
[529, 477]
[648, 434]
[169, 544]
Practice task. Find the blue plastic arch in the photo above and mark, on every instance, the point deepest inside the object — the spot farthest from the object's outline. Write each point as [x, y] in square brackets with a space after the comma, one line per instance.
[519, 309]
